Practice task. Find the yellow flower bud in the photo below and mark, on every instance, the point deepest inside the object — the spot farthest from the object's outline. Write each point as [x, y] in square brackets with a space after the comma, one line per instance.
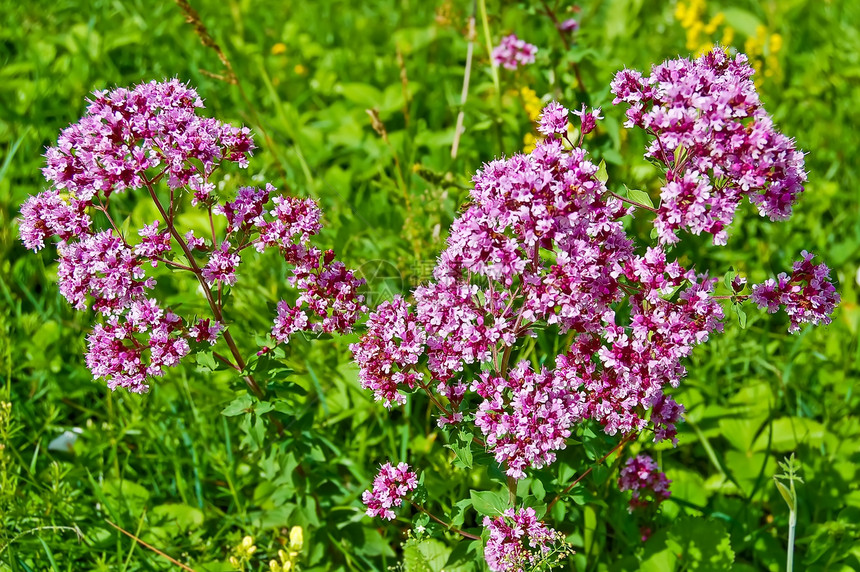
[296, 538]
[775, 43]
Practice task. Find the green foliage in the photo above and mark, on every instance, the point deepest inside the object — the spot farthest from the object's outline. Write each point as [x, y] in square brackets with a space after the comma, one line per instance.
[198, 463]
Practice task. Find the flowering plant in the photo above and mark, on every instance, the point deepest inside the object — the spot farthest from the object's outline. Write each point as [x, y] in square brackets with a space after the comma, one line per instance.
[542, 251]
[150, 139]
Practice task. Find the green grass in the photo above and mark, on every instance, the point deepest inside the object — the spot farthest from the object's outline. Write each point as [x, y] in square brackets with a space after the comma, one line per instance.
[171, 469]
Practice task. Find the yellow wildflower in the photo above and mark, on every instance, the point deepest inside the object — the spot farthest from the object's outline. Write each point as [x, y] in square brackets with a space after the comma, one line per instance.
[529, 142]
[296, 538]
[279, 48]
[531, 103]
[699, 33]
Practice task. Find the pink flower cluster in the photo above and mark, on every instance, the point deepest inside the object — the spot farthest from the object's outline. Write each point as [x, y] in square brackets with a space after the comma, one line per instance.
[390, 487]
[518, 540]
[48, 214]
[127, 132]
[641, 475]
[542, 246]
[807, 295]
[329, 299]
[526, 416]
[390, 348]
[715, 140]
[513, 52]
[134, 138]
[116, 349]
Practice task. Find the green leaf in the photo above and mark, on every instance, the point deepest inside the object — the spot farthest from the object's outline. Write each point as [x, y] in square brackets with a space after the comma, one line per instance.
[741, 20]
[462, 448]
[742, 316]
[538, 489]
[788, 433]
[206, 360]
[728, 277]
[126, 494]
[180, 517]
[786, 494]
[361, 94]
[640, 197]
[489, 503]
[692, 543]
[426, 555]
[238, 406]
[601, 174]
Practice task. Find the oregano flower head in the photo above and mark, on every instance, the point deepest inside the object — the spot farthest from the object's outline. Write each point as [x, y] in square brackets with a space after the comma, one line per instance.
[513, 52]
[716, 141]
[133, 140]
[542, 246]
[390, 487]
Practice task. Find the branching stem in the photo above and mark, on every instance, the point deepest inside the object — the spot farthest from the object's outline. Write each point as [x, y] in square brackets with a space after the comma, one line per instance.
[216, 309]
[447, 525]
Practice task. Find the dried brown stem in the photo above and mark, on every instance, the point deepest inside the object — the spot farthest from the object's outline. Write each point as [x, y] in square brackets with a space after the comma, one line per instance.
[151, 547]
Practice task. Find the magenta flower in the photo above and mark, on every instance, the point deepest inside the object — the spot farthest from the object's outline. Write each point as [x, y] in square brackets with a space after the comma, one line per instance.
[139, 138]
[116, 349]
[390, 487]
[513, 52]
[807, 295]
[245, 213]
[153, 243]
[517, 540]
[194, 242]
[569, 25]
[205, 330]
[127, 132]
[553, 119]
[527, 416]
[222, 266]
[588, 119]
[716, 141]
[641, 475]
[541, 245]
[47, 214]
[390, 348]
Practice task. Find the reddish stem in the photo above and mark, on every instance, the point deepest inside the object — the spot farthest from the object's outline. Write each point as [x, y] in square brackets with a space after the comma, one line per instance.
[447, 525]
[216, 310]
[617, 448]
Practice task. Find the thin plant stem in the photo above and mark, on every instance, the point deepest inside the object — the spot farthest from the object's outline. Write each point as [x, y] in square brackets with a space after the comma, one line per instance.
[447, 525]
[151, 547]
[494, 70]
[792, 526]
[561, 34]
[226, 361]
[616, 449]
[464, 94]
[216, 309]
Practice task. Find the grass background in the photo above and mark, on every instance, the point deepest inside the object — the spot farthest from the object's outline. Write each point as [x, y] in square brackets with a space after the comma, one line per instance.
[169, 467]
